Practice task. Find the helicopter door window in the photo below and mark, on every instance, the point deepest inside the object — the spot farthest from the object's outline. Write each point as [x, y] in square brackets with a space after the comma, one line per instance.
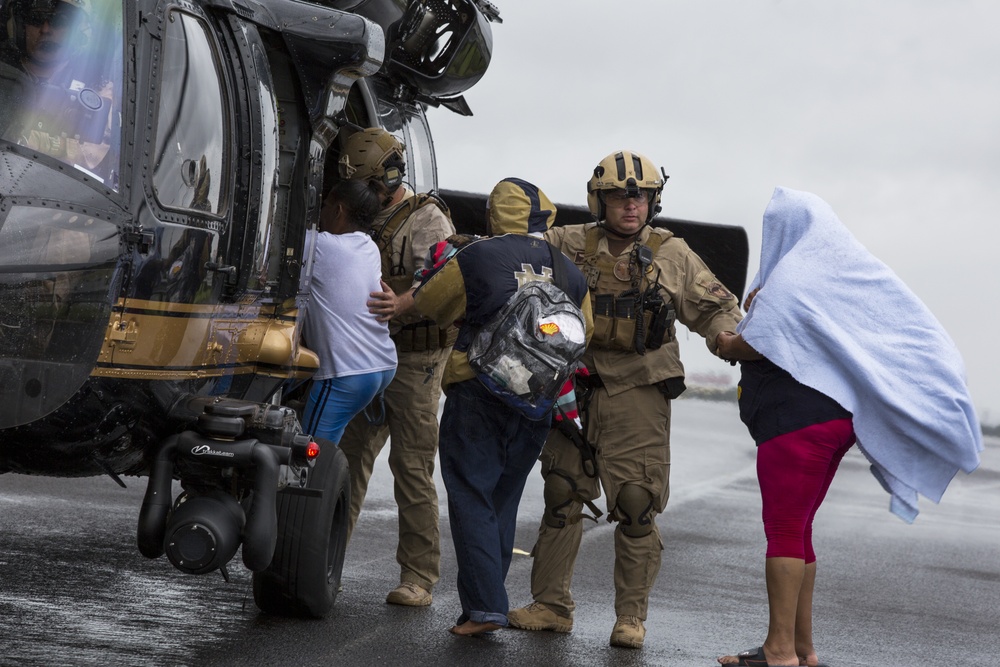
[267, 245]
[191, 158]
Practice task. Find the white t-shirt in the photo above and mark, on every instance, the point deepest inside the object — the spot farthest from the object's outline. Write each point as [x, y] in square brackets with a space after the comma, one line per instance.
[338, 327]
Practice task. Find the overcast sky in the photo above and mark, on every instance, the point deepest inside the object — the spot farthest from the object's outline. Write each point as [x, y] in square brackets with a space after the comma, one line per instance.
[888, 110]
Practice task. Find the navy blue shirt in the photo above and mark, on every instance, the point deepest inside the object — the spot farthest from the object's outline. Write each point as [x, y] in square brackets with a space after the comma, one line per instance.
[472, 286]
[773, 403]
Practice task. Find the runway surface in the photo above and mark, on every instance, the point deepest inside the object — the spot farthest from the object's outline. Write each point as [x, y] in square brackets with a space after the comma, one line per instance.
[75, 591]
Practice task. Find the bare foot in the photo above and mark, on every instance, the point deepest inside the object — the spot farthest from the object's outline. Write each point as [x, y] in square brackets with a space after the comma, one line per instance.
[472, 629]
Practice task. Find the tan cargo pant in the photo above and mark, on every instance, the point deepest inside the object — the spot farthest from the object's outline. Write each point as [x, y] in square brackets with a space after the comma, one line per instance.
[411, 403]
[632, 433]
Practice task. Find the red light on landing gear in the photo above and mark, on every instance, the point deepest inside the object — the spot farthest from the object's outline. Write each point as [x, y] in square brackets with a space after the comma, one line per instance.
[312, 451]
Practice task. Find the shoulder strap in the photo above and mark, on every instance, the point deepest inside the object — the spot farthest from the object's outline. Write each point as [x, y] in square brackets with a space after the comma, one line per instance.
[590, 247]
[392, 225]
[654, 241]
[384, 236]
[433, 197]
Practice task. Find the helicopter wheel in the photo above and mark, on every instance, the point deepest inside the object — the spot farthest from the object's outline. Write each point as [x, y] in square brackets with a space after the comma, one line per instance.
[304, 575]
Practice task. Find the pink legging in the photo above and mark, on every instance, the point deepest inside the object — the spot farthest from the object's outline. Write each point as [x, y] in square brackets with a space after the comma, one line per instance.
[794, 471]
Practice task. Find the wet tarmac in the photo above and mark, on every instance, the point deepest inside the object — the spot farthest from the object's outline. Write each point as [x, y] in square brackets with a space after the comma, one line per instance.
[75, 591]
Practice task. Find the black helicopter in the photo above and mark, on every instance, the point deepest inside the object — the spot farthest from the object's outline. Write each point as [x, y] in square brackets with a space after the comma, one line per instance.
[160, 164]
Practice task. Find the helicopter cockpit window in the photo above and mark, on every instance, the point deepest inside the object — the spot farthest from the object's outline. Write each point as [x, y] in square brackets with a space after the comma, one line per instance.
[58, 266]
[61, 81]
[56, 240]
[191, 160]
[421, 158]
[409, 125]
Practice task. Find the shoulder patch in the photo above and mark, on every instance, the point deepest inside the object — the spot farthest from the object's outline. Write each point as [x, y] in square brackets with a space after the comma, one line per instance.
[719, 291]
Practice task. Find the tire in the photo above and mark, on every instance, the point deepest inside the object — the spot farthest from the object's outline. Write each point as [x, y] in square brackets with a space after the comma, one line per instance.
[304, 575]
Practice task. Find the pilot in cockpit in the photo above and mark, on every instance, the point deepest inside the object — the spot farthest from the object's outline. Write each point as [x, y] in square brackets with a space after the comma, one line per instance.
[43, 35]
[63, 102]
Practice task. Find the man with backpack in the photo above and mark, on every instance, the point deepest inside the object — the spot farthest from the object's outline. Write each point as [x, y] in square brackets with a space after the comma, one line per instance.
[408, 225]
[488, 443]
[641, 280]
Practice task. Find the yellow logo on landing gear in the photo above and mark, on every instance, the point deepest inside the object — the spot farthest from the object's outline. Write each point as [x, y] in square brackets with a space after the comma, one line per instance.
[549, 328]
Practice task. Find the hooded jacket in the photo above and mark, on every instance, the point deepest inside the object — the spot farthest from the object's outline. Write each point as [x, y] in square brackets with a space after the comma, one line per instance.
[471, 286]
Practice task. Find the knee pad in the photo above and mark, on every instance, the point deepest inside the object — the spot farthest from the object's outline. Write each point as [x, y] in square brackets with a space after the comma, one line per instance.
[559, 492]
[634, 508]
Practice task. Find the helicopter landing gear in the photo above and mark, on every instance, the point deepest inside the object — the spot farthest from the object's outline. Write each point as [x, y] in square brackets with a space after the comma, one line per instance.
[304, 574]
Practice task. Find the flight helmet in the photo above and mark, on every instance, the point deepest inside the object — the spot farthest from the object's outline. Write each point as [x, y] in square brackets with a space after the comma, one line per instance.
[70, 13]
[628, 171]
[373, 154]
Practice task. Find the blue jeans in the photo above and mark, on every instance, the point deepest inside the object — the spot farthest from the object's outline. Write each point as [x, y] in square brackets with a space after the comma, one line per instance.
[487, 451]
[334, 402]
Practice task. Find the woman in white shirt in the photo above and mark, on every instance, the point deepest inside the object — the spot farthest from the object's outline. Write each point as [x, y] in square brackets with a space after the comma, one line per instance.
[357, 357]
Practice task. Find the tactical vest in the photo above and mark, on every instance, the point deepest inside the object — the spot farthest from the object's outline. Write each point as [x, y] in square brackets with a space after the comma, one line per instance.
[424, 334]
[615, 287]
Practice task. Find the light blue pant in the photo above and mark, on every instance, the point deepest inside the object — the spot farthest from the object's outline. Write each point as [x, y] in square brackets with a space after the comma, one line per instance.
[334, 402]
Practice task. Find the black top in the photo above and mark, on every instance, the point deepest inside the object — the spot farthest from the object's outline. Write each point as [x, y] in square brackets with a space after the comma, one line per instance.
[773, 403]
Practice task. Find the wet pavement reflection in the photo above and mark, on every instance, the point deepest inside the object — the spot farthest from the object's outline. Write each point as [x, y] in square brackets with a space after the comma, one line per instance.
[74, 589]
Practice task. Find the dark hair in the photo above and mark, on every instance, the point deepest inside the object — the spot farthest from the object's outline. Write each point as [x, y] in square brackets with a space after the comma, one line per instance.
[359, 198]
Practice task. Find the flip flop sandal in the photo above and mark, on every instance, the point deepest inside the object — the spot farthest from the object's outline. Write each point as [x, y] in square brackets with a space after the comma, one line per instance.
[754, 657]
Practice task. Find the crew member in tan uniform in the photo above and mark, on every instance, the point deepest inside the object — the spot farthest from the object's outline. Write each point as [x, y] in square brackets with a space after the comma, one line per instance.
[641, 280]
[407, 227]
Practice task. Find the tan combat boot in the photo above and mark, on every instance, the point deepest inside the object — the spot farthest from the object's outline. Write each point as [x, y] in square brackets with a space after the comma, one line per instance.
[409, 595]
[628, 632]
[536, 616]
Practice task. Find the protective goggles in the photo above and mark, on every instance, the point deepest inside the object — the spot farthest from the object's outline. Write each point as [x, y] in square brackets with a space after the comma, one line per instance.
[621, 198]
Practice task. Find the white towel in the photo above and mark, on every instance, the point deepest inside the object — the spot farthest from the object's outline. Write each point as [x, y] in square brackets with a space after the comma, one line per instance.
[840, 321]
